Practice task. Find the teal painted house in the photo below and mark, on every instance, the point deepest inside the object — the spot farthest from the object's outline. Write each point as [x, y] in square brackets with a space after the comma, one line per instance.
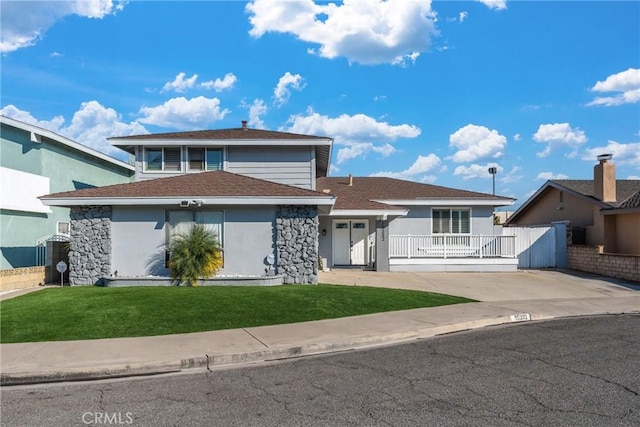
[35, 162]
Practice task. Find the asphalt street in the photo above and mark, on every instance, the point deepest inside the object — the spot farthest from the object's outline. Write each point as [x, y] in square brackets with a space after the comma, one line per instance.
[579, 371]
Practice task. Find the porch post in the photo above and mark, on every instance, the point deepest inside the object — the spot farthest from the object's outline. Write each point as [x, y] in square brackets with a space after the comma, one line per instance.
[382, 245]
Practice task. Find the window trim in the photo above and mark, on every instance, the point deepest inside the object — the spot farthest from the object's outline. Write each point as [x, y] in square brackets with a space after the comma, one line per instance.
[451, 210]
[68, 223]
[163, 160]
[205, 164]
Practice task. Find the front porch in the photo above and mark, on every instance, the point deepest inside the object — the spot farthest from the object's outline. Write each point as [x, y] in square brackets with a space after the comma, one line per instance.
[442, 252]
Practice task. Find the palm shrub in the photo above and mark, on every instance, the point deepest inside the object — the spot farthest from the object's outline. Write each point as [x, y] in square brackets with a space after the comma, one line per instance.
[194, 255]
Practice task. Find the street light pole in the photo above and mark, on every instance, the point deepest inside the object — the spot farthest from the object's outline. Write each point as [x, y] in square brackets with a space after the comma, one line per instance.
[493, 171]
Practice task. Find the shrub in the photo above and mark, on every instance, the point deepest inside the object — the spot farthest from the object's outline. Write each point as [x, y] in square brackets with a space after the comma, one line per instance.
[194, 255]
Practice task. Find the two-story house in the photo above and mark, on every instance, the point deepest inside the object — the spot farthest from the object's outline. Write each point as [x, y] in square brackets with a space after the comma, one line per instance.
[34, 162]
[268, 197]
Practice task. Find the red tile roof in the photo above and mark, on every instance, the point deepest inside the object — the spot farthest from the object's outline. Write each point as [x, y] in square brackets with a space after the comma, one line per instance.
[366, 189]
[203, 184]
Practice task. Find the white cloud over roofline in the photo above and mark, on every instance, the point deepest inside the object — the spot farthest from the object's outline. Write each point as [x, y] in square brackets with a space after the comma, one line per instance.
[494, 4]
[180, 83]
[623, 154]
[550, 175]
[286, 83]
[559, 134]
[475, 171]
[220, 84]
[363, 31]
[23, 23]
[625, 83]
[185, 114]
[91, 125]
[475, 143]
[422, 166]
[358, 133]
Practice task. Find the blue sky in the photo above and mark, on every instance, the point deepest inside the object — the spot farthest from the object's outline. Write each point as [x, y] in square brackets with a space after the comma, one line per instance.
[433, 92]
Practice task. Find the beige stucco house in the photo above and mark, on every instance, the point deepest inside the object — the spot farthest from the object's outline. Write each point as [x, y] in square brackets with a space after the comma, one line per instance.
[606, 208]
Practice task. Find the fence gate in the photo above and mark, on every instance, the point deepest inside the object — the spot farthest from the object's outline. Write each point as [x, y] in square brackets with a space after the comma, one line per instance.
[535, 246]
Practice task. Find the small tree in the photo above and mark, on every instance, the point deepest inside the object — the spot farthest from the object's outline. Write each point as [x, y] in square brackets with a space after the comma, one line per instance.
[194, 255]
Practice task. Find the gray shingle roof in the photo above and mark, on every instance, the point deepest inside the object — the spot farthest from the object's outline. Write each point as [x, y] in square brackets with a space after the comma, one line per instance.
[203, 184]
[366, 189]
[233, 133]
[625, 189]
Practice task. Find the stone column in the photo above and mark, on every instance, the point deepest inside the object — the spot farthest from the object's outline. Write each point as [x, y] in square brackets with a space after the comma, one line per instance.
[90, 244]
[297, 244]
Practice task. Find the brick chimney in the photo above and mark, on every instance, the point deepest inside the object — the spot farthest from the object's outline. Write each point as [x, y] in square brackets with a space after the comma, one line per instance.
[244, 125]
[604, 179]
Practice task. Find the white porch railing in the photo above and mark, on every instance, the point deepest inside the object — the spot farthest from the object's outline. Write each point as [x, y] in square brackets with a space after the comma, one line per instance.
[451, 246]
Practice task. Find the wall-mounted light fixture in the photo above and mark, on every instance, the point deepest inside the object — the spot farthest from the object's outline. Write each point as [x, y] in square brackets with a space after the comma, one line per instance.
[324, 231]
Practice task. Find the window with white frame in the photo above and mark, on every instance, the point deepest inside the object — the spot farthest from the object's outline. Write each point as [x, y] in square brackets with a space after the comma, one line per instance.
[200, 159]
[163, 159]
[180, 222]
[451, 221]
[63, 227]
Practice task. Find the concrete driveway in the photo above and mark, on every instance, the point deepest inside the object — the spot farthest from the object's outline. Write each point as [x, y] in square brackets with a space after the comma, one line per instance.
[520, 285]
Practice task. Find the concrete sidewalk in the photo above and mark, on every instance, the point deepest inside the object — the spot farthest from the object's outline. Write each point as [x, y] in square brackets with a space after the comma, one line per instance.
[525, 296]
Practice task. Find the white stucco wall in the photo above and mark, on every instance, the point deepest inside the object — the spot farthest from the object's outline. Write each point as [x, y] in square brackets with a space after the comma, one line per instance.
[139, 235]
[137, 241]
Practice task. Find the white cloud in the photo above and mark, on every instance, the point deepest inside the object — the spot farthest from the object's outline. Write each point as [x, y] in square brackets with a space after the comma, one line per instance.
[282, 91]
[494, 4]
[558, 134]
[514, 175]
[182, 113]
[626, 83]
[227, 82]
[421, 166]
[256, 109]
[180, 84]
[633, 177]
[360, 133]
[363, 31]
[475, 143]
[13, 112]
[462, 16]
[517, 137]
[91, 125]
[550, 175]
[333, 169]
[362, 149]
[475, 171]
[623, 154]
[23, 23]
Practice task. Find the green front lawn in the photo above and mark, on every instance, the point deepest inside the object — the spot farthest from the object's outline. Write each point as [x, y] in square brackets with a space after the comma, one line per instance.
[79, 313]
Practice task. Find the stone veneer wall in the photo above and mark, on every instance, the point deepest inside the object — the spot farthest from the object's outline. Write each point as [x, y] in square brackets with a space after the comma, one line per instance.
[90, 245]
[591, 258]
[297, 244]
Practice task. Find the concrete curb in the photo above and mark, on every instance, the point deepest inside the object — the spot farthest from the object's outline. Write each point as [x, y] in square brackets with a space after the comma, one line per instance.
[272, 354]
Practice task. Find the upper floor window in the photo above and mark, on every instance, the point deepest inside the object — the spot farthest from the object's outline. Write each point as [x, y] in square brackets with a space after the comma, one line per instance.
[201, 159]
[163, 159]
[452, 221]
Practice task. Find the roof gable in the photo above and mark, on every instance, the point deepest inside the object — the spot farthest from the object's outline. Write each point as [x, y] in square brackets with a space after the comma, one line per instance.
[627, 197]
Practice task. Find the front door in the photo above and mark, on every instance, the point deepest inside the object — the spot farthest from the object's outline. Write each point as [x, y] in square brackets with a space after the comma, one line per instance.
[350, 242]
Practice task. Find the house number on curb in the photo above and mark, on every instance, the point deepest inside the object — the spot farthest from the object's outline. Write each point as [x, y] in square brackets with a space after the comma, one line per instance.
[521, 317]
[61, 267]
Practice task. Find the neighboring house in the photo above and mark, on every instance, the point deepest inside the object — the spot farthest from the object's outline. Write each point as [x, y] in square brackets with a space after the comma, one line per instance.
[35, 162]
[603, 211]
[267, 196]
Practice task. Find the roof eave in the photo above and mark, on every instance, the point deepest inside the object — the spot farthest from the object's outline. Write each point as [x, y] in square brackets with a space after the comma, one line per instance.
[65, 141]
[463, 201]
[194, 200]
